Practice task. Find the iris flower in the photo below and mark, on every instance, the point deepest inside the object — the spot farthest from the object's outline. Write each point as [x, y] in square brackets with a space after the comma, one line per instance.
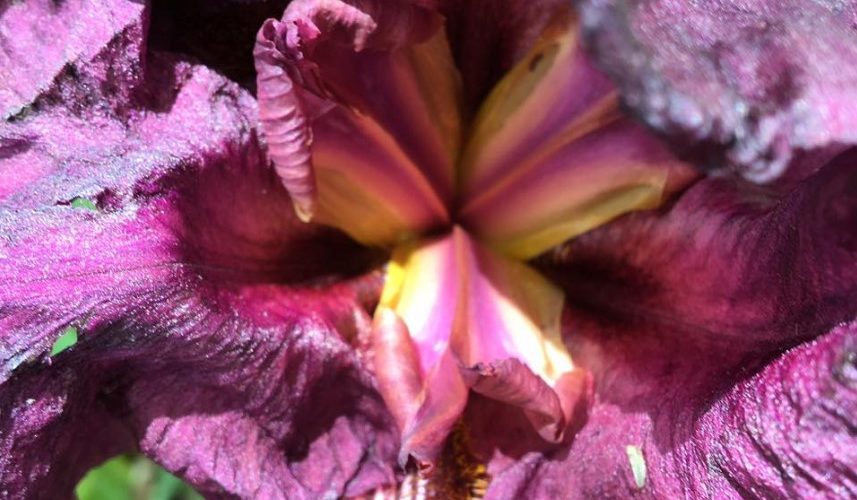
[422, 248]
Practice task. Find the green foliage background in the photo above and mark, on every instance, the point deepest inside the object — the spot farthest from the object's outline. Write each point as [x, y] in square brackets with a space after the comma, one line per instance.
[132, 477]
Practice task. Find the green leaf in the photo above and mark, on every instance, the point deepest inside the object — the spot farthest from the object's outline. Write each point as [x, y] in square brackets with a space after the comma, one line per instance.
[638, 465]
[86, 203]
[66, 339]
[109, 481]
[131, 477]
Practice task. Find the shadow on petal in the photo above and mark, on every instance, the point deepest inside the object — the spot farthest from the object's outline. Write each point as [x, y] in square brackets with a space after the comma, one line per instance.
[191, 346]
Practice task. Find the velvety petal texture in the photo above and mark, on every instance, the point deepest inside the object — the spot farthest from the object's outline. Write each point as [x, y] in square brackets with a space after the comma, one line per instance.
[721, 339]
[214, 338]
[41, 40]
[751, 82]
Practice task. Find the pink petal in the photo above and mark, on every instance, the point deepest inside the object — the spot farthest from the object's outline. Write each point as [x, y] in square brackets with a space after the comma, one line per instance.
[397, 366]
[96, 39]
[720, 334]
[477, 320]
[743, 86]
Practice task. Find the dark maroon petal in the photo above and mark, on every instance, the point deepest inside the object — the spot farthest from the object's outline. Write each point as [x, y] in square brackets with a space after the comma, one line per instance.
[213, 326]
[731, 265]
[784, 432]
[489, 36]
[100, 41]
[683, 319]
[757, 80]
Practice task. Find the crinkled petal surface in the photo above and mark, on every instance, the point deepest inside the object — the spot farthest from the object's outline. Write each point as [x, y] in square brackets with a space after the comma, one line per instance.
[360, 108]
[721, 339]
[215, 330]
[757, 80]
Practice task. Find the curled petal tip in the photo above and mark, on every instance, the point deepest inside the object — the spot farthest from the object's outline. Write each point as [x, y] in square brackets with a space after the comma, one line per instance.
[397, 365]
[304, 210]
[575, 390]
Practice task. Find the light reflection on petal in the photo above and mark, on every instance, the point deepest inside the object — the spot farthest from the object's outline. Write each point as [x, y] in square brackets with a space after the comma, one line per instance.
[474, 310]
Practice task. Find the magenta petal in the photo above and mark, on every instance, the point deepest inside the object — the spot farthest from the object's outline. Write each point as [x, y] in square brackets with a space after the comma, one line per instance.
[213, 325]
[692, 372]
[359, 107]
[96, 41]
[784, 432]
[397, 366]
[759, 80]
[768, 270]
[442, 403]
[510, 381]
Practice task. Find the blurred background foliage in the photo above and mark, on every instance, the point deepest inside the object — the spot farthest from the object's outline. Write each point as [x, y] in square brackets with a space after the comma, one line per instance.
[133, 477]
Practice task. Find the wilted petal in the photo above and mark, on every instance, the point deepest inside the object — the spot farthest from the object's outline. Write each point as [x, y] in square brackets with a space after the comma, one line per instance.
[511, 382]
[360, 109]
[441, 402]
[397, 365]
[551, 156]
[760, 80]
[211, 321]
[683, 318]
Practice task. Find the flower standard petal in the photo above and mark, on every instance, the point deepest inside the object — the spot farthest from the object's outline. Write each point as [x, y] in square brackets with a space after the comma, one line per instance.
[477, 320]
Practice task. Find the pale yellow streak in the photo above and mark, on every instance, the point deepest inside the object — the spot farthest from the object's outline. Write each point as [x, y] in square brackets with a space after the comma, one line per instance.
[365, 205]
[517, 101]
[579, 218]
[361, 201]
[529, 306]
[599, 115]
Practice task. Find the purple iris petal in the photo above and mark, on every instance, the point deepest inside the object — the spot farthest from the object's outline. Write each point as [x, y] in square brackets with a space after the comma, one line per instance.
[42, 40]
[212, 336]
[228, 341]
[753, 82]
